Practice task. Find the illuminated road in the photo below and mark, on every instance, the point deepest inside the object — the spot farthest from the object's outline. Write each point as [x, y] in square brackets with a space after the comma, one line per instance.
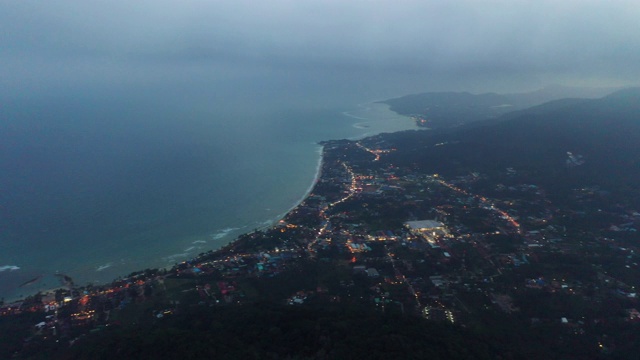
[375, 153]
[353, 187]
[485, 202]
[404, 278]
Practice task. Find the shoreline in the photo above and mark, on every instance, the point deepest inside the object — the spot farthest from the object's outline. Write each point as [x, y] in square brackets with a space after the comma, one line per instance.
[318, 174]
[316, 178]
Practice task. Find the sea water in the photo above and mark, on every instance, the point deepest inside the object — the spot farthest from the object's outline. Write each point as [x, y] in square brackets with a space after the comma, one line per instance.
[96, 187]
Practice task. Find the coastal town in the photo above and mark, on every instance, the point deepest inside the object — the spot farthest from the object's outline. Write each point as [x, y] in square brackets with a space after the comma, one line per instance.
[473, 251]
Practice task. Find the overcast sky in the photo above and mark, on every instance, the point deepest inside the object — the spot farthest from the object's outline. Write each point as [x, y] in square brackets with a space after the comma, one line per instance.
[476, 44]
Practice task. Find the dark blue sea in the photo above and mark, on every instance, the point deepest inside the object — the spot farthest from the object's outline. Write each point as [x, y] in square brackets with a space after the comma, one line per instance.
[96, 184]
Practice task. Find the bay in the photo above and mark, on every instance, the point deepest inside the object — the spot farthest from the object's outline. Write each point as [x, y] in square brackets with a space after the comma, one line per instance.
[96, 185]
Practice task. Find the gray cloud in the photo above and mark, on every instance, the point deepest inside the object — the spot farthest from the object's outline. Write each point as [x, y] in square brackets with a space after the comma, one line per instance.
[451, 43]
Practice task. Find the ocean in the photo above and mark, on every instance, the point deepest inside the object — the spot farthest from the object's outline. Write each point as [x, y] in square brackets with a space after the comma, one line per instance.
[99, 184]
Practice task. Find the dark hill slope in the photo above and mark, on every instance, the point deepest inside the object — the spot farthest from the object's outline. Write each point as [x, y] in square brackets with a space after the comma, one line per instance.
[605, 132]
[444, 109]
[541, 109]
[266, 331]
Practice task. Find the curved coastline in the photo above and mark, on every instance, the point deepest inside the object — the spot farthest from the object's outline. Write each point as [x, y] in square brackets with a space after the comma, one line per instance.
[270, 223]
[318, 174]
[320, 152]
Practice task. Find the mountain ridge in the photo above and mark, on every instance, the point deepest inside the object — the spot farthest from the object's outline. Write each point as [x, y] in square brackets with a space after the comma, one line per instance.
[452, 109]
[604, 131]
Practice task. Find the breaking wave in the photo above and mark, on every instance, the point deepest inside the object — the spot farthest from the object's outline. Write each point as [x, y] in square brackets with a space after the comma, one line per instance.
[9, 267]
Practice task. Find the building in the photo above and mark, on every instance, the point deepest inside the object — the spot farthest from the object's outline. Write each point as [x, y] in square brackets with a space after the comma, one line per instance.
[372, 272]
[428, 229]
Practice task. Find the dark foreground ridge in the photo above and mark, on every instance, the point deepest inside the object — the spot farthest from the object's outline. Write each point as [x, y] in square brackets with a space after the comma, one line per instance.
[515, 238]
[269, 331]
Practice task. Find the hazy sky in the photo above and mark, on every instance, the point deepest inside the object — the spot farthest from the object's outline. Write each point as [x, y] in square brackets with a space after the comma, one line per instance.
[412, 44]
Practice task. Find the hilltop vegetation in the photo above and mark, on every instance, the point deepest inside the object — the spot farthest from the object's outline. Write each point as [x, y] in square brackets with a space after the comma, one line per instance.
[603, 132]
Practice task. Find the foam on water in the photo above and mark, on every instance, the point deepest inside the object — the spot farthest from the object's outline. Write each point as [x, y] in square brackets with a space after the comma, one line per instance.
[222, 233]
[173, 258]
[346, 113]
[103, 267]
[9, 268]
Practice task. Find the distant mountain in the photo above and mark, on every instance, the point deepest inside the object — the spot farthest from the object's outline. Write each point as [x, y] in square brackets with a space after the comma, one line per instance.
[603, 136]
[555, 92]
[449, 109]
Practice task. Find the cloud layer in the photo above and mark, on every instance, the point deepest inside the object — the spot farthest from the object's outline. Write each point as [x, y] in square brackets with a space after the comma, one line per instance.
[455, 42]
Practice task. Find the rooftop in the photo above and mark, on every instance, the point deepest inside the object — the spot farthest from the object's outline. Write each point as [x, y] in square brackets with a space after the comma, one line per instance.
[424, 224]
